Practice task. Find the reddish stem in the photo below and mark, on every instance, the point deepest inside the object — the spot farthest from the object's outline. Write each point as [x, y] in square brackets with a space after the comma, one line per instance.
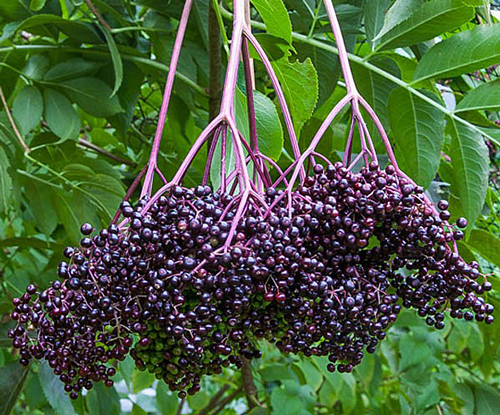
[148, 182]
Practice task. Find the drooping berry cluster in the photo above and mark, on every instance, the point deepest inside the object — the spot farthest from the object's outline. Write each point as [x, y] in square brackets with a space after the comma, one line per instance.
[324, 272]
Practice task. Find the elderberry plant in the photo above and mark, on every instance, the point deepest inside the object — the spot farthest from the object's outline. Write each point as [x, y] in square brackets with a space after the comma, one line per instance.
[318, 259]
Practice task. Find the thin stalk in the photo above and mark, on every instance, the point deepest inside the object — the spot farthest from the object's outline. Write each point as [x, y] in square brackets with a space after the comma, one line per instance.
[130, 191]
[13, 123]
[215, 62]
[148, 181]
[180, 406]
[249, 82]
[85, 143]
[227, 400]
[214, 400]
[98, 15]
[250, 101]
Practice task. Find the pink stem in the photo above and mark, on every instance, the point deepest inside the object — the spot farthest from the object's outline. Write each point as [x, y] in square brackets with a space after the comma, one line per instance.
[348, 147]
[148, 181]
[380, 128]
[281, 97]
[339, 40]
[223, 160]
[210, 156]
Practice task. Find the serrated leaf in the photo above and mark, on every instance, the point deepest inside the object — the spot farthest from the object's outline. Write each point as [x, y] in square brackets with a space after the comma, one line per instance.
[12, 377]
[299, 81]
[485, 244]
[116, 58]
[376, 90]
[70, 69]
[484, 97]
[463, 53]
[375, 12]
[269, 130]
[53, 389]
[93, 96]
[418, 130]
[275, 17]
[28, 108]
[5, 181]
[60, 115]
[397, 13]
[327, 66]
[470, 161]
[427, 21]
[103, 401]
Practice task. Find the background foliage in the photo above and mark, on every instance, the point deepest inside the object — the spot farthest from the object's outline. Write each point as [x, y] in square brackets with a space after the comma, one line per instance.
[84, 94]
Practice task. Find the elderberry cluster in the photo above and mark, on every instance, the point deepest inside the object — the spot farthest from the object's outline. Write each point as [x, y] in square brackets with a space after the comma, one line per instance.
[187, 286]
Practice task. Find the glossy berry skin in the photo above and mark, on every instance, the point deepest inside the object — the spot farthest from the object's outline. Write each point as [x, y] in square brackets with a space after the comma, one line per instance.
[325, 273]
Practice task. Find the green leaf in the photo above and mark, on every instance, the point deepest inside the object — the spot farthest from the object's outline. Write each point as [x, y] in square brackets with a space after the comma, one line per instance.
[429, 20]
[457, 339]
[60, 115]
[376, 90]
[103, 401]
[117, 60]
[37, 5]
[463, 53]
[47, 23]
[313, 376]
[470, 161]
[269, 130]
[326, 64]
[93, 96]
[36, 67]
[142, 380]
[485, 244]
[375, 12]
[275, 17]
[398, 12]
[285, 404]
[28, 108]
[73, 209]
[487, 400]
[53, 389]
[484, 97]
[198, 401]
[258, 411]
[34, 393]
[128, 96]
[40, 195]
[70, 69]
[12, 377]
[166, 401]
[299, 81]
[5, 182]
[417, 127]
